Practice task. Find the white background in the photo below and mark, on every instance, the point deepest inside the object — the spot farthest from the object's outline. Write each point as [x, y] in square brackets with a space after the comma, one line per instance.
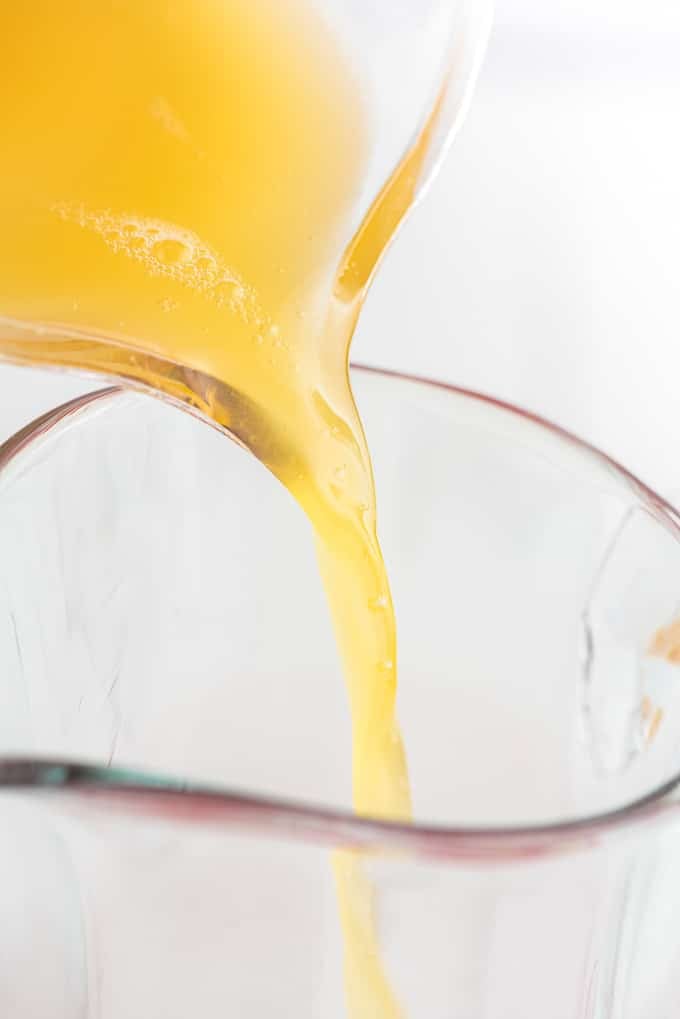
[543, 264]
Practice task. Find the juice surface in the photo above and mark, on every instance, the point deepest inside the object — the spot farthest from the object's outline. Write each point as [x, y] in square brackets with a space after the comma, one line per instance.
[177, 183]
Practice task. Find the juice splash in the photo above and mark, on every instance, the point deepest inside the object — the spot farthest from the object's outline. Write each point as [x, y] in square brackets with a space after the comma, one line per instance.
[176, 183]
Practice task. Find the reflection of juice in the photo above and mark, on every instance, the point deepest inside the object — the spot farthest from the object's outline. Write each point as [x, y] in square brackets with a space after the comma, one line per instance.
[175, 182]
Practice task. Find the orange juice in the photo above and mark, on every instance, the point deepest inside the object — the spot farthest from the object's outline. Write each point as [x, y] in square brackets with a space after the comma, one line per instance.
[177, 183]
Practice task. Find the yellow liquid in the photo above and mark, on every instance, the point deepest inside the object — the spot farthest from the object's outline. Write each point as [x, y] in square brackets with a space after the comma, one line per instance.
[176, 184]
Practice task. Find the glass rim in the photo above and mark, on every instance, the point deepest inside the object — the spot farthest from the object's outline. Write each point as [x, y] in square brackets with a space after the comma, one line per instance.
[167, 798]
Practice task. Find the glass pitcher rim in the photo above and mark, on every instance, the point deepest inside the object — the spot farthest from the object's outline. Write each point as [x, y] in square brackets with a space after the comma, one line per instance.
[165, 797]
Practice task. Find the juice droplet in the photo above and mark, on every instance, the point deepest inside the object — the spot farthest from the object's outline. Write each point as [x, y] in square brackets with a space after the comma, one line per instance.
[378, 603]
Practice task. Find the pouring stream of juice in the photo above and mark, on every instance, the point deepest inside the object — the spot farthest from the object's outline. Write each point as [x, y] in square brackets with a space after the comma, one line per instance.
[175, 183]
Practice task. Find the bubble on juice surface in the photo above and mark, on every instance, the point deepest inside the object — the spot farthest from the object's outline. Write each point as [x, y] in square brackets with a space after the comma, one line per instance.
[168, 250]
[171, 251]
[206, 266]
[229, 292]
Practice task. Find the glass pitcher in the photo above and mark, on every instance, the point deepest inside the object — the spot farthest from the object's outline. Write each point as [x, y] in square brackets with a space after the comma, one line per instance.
[174, 735]
[84, 230]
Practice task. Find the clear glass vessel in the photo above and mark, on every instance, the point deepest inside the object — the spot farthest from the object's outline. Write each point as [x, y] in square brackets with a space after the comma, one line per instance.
[174, 736]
